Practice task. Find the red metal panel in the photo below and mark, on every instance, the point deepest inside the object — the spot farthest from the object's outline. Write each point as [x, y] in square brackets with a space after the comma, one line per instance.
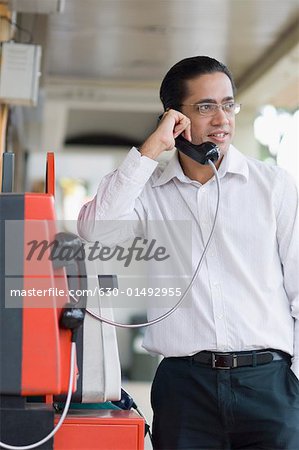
[50, 175]
[101, 430]
[46, 348]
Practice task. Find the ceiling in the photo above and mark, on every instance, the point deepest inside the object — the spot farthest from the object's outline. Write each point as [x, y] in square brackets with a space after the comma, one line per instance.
[140, 39]
[112, 54]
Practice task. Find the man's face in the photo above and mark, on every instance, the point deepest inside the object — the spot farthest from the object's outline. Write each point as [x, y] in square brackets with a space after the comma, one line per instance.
[219, 128]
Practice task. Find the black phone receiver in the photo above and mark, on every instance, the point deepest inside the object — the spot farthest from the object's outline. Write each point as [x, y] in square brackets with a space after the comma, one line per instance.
[201, 153]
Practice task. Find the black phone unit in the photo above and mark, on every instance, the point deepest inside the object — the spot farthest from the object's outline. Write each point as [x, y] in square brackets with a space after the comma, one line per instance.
[201, 153]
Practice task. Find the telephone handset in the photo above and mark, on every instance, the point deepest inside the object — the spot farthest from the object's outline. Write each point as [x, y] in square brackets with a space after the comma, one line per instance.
[201, 153]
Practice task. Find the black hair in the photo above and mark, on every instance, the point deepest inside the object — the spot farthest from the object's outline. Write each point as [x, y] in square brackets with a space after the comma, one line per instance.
[173, 88]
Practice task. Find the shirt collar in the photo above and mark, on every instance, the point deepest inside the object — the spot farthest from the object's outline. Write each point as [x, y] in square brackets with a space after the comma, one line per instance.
[233, 162]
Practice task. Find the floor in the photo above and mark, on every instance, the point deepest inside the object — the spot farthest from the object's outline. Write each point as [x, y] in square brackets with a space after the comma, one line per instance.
[140, 391]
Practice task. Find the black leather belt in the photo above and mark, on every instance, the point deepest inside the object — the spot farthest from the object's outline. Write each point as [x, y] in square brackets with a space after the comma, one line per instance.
[238, 359]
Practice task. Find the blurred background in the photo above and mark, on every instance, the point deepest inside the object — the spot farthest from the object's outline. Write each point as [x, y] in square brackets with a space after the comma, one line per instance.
[98, 65]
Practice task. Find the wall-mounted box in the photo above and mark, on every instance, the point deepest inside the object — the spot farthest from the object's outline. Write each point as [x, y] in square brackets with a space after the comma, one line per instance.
[19, 73]
[35, 6]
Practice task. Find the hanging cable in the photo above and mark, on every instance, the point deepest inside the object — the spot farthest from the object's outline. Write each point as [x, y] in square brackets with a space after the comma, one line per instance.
[176, 306]
[19, 28]
[65, 410]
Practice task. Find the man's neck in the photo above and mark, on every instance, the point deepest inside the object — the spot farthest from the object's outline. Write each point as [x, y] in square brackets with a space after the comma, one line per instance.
[196, 171]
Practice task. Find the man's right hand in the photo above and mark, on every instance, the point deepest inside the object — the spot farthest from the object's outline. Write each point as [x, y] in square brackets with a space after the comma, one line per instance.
[172, 124]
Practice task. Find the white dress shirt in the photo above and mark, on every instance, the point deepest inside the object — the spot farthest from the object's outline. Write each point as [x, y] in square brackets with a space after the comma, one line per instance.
[246, 296]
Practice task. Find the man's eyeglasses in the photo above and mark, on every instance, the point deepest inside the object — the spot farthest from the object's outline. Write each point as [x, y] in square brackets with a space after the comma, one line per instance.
[211, 109]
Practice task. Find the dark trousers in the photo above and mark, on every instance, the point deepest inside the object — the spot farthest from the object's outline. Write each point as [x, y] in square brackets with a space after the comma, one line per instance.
[197, 407]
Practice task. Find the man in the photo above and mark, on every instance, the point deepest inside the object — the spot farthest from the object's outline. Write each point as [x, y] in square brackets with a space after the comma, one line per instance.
[230, 376]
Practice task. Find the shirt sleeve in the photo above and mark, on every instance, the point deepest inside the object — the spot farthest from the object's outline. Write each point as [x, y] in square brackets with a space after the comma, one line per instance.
[288, 242]
[117, 200]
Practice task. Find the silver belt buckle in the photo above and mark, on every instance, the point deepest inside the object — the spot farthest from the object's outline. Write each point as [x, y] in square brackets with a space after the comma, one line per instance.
[217, 358]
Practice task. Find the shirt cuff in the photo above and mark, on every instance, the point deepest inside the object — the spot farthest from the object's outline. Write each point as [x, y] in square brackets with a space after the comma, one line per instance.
[136, 167]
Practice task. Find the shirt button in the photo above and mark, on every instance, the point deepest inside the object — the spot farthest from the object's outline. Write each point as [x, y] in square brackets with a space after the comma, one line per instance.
[219, 316]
